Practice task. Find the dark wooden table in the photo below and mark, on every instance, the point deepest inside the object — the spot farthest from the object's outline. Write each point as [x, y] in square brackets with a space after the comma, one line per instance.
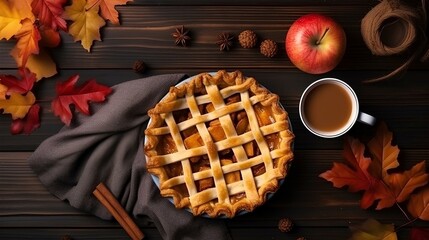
[28, 211]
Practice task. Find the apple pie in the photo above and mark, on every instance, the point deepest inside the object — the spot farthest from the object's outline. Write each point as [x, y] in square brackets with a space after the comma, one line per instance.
[219, 144]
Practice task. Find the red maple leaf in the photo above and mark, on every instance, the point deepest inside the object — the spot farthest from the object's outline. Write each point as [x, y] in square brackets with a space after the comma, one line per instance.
[49, 13]
[68, 93]
[28, 124]
[419, 234]
[355, 175]
[19, 86]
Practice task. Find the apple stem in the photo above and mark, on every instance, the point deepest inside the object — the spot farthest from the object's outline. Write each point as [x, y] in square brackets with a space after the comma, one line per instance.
[320, 39]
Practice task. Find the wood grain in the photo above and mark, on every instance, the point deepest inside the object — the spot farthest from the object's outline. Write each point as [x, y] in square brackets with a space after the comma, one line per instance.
[29, 211]
[145, 33]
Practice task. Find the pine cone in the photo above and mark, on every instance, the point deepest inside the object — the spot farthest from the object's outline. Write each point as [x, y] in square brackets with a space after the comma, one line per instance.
[269, 48]
[285, 225]
[139, 66]
[248, 39]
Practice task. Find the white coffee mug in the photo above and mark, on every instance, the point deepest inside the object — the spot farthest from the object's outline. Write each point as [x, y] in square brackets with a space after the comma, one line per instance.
[329, 108]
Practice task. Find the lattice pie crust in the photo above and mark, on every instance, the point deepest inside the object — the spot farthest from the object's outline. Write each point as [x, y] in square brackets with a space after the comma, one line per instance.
[218, 144]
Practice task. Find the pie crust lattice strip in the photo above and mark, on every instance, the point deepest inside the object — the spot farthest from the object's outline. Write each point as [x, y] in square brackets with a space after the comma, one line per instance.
[218, 144]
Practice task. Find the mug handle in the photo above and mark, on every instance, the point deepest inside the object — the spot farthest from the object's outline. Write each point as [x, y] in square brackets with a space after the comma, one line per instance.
[366, 118]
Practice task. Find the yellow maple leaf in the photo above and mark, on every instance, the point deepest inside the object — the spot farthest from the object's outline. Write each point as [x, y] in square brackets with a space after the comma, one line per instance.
[10, 20]
[41, 64]
[107, 8]
[373, 230]
[24, 8]
[18, 105]
[86, 23]
[3, 90]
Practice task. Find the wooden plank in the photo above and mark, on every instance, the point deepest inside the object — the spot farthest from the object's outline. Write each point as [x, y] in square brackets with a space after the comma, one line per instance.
[58, 234]
[251, 2]
[403, 104]
[304, 197]
[146, 33]
[236, 233]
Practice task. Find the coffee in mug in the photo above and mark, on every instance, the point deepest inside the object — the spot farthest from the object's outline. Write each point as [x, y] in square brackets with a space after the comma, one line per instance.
[329, 108]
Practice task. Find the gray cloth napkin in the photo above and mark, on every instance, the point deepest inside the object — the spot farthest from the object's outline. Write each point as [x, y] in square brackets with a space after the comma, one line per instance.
[108, 147]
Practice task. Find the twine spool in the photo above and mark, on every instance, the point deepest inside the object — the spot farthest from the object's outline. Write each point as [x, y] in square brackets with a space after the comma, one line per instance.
[380, 28]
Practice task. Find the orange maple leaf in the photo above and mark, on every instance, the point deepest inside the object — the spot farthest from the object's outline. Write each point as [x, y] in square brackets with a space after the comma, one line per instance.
[107, 8]
[28, 41]
[372, 176]
[384, 155]
[403, 184]
[3, 91]
[355, 174]
[418, 205]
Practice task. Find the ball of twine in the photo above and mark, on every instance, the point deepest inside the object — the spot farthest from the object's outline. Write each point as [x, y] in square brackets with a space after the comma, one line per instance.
[414, 20]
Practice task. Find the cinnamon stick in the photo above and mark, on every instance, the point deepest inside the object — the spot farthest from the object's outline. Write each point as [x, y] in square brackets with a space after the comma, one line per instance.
[103, 194]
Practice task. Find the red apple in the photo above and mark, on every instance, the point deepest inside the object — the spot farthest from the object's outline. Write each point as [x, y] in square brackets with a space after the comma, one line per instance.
[315, 43]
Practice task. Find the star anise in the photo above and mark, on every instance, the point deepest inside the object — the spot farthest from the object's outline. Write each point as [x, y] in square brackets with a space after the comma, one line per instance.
[181, 36]
[225, 41]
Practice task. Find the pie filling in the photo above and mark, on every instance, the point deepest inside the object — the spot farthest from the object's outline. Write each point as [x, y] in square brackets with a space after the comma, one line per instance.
[238, 153]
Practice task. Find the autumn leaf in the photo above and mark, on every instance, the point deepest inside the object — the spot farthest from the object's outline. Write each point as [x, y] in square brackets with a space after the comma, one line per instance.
[373, 230]
[22, 86]
[384, 155]
[355, 174]
[49, 13]
[50, 37]
[86, 24]
[418, 233]
[17, 105]
[24, 8]
[42, 64]
[3, 90]
[403, 184]
[68, 93]
[107, 8]
[418, 205]
[29, 123]
[28, 41]
[10, 20]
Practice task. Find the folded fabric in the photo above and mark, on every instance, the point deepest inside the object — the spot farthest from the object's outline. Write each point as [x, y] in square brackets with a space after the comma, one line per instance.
[108, 147]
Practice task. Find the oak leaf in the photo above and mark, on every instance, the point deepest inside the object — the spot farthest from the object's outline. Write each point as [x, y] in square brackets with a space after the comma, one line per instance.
[418, 205]
[28, 41]
[373, 230]
[22, 86]
[107, 8]
[29, 123]
[68, 93]
[355, 174]
[17, 105]
[10, 20]
[384, 154]
[41, 64]
[419, 233]
[49, 13]
[86, 23]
